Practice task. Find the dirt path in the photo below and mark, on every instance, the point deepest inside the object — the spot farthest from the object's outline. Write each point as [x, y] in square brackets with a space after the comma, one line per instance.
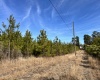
[67, 67]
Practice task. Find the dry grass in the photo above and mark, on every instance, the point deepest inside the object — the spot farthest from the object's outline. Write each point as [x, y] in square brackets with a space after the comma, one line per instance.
[52, 68]
[19, 67]
[94, 62]
[95, 66]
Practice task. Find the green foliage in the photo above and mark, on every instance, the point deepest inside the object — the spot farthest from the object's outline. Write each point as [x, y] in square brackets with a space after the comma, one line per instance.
[96, 41]
[42, 42]
[93, 50]
[95, 34]
[87, 39]
[96, 38]
[10, 37]
[13, 44]
[56, 45]
[76, 41]
[27, 44]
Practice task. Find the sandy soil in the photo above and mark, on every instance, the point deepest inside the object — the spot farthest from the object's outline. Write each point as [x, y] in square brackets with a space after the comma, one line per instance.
[66, 67]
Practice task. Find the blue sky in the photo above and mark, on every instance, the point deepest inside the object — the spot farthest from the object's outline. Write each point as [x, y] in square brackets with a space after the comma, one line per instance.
[35, 15]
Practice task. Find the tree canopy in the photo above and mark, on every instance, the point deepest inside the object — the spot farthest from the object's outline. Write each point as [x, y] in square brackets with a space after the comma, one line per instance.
[13, 44]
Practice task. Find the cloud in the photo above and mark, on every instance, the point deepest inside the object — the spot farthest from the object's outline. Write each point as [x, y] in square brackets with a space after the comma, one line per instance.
[55, 31]
[28, 27]
[47, 8]
[53, 13]
[42, 25]
[90, 16]
[61, 2]
[27, 13]
[93, 29]
[88, 31]
[4, 8]
[38, 9]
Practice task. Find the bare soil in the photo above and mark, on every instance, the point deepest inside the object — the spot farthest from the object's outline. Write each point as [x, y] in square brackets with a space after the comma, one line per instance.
[66, 67]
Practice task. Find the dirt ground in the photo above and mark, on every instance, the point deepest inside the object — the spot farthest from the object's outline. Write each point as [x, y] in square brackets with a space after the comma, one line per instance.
[66, 67]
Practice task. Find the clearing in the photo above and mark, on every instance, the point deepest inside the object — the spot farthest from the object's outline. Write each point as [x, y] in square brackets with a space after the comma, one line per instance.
[66, 67]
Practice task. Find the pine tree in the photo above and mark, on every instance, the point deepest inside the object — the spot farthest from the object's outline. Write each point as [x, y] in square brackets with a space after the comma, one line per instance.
[42, 42]
[56, 45]
[8, 35]
[27, 48]
[76, 41]
[87, 39]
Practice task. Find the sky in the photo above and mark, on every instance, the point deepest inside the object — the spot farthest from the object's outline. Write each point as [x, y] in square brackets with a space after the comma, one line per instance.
[35, 15]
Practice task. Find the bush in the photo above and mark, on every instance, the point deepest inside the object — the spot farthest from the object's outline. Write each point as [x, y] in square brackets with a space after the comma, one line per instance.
[93, 50]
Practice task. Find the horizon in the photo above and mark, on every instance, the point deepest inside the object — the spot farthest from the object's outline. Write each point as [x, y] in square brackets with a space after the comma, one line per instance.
[36, 15]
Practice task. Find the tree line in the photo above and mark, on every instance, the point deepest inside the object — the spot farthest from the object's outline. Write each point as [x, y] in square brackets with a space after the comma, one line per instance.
[92, 43]
[13, 44]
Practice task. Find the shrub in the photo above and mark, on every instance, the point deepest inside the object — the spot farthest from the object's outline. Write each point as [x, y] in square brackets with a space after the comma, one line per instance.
[93, 50]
